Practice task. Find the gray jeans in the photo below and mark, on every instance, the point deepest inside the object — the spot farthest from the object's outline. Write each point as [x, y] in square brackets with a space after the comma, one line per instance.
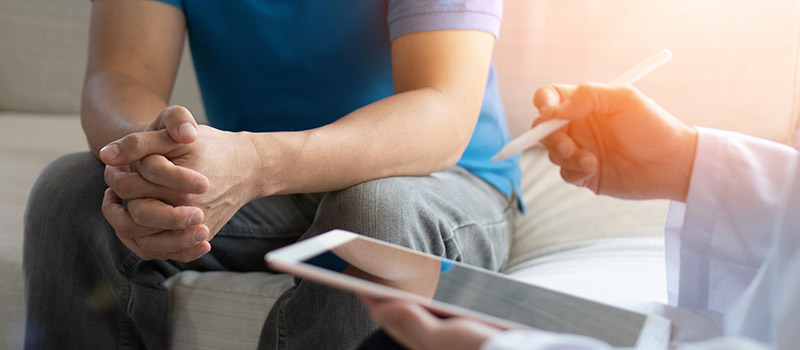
[85, 290]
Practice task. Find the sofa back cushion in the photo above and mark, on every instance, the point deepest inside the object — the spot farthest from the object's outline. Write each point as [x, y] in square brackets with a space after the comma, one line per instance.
[43, 49]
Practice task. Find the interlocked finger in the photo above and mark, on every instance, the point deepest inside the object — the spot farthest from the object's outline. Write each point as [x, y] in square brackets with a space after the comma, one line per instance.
[149, 212]
[161, 171]
[131, 185]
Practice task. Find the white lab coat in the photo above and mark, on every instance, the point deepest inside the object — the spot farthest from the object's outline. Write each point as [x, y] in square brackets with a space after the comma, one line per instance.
[733, 253]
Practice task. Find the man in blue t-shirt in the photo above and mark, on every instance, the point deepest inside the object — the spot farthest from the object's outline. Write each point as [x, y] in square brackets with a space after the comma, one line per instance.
[378, 117]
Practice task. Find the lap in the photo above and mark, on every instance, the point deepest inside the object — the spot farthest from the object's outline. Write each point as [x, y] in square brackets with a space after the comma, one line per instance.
[450, 213]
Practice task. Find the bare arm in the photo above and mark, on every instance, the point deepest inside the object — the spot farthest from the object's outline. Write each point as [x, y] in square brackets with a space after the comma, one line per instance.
[439, 81]
[134, 51]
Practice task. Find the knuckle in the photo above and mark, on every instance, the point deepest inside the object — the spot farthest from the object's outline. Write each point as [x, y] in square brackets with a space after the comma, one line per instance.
[124, 189]
[136, 213]
[187, 238]
[179, 219]
[143, 252]
[108, 176]
[133, 143]
[125, 231]
[180, 198]
[177, 114]
[121, 233]
[120, 227]
[151, 166]
[179, 110]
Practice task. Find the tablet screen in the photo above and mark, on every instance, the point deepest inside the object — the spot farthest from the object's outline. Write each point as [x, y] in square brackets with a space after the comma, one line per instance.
[453, 283]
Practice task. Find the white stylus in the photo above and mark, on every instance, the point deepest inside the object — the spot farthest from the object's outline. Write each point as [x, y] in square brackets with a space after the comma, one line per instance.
[539, 132]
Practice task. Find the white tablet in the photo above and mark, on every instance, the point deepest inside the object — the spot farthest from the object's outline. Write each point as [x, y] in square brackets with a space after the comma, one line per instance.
[364, 265]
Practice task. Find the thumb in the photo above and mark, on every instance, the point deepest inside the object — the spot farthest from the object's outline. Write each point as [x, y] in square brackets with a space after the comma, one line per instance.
[406, 322]
[548, 99]
[179, 122]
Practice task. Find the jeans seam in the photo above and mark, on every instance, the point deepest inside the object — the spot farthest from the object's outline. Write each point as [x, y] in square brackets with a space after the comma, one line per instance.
[126, 325]
[127, 333]
[127, 264]
[283, 335]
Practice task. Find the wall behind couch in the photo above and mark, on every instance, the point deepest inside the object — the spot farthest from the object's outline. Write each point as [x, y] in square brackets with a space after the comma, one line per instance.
[735, 63]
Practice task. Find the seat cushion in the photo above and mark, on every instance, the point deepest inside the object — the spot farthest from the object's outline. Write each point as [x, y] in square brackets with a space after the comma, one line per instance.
[558, 213]
[221, 310]
[28, 142]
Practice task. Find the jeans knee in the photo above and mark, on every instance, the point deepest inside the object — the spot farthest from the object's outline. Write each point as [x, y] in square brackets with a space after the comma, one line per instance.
[68, 192]
[400, 210]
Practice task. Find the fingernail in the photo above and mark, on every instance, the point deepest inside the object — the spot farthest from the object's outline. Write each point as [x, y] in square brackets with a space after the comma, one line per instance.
[195, 220]
[199, 236]
[187, 129]
[200, 186]
[110, 151]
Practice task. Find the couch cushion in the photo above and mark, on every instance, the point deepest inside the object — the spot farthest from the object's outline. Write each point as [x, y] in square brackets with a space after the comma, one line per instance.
[221, 310]
[558, 213]
[28, 142]
[620, 271]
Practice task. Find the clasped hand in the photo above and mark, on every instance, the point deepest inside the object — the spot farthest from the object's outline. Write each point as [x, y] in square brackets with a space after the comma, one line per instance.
[173, 186]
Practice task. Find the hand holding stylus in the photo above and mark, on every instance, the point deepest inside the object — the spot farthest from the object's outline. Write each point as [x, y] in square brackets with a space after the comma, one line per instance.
[619, 142]
[534, 135]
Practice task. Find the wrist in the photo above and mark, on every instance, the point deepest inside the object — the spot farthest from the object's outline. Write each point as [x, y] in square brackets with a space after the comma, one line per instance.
[270, 161]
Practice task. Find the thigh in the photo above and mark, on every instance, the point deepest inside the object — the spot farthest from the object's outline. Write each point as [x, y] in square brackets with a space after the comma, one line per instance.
[260, 226]
[451, 213]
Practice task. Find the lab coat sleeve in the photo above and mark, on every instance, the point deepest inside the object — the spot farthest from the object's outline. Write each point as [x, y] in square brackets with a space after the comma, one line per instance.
[736, 184]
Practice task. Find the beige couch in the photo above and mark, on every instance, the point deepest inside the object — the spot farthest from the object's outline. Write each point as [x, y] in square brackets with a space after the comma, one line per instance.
[735, 66]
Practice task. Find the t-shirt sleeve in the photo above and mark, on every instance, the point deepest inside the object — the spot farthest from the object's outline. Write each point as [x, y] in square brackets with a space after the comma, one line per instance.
[410, 16]
[176, 3]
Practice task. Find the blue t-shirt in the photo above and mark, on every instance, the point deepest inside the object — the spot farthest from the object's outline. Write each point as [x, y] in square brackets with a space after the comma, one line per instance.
[290, 65]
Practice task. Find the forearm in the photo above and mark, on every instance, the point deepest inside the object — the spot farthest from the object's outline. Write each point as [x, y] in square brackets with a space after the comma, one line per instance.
[114, 105]
[134, 50]
[413, 133]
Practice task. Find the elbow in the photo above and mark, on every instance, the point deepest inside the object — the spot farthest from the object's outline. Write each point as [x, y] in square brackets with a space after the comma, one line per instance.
[450, 158]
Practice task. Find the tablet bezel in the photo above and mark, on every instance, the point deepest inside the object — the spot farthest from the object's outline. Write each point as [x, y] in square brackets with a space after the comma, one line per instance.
[291, 259]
